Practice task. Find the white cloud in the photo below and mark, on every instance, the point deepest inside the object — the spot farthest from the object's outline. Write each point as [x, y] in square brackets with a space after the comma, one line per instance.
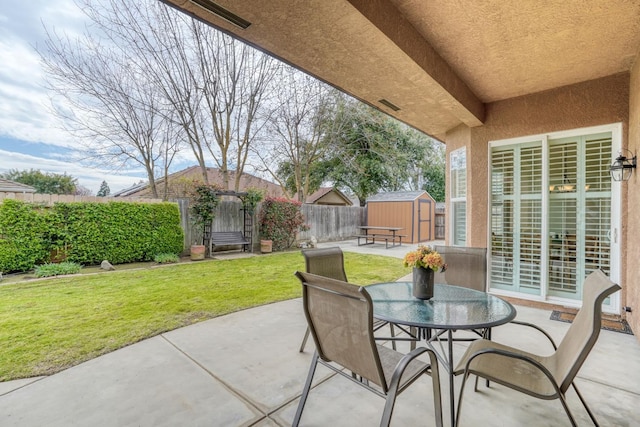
[24, 112]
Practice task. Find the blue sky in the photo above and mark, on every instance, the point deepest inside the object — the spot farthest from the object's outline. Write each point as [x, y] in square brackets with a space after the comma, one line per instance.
[30, 136]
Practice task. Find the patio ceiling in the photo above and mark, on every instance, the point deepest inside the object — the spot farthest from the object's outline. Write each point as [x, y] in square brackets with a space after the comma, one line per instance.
[439, 62]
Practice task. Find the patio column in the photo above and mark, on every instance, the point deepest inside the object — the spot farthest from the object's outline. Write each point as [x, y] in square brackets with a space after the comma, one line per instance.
[476, 182]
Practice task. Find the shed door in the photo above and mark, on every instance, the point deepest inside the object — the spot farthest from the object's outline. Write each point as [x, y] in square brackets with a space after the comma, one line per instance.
[425, 210]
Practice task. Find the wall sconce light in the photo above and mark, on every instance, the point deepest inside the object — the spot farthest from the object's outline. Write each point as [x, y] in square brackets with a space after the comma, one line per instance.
[622, 167]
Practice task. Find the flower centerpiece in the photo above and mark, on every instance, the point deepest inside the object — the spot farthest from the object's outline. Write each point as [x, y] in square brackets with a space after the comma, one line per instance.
[425, 261]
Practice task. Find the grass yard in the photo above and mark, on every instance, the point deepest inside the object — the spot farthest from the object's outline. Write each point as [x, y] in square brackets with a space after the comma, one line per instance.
[49, 325]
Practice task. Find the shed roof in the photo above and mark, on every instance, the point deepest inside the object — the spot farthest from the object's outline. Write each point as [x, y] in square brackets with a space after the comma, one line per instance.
[397, 196]
[15, 187]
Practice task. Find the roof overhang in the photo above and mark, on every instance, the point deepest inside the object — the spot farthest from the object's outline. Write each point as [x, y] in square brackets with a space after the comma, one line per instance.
[439, 63]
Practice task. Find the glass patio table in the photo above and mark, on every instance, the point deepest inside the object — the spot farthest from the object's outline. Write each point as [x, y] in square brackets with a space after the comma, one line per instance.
[451, 308]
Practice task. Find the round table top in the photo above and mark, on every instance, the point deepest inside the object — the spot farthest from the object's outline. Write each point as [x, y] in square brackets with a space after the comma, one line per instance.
[451, 307]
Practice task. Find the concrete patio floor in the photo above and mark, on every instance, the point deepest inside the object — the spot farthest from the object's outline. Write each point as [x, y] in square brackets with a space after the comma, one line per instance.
[244, 369]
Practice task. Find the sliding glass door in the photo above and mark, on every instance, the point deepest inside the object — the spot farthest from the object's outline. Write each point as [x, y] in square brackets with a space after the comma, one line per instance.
[551, 214]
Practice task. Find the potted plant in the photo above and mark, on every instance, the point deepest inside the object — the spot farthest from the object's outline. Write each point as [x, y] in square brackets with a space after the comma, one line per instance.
[425, 262]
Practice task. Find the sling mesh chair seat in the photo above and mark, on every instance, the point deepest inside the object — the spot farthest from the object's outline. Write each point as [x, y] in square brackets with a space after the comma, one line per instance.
[340, 317]
[466, 267]
[544, 377]
[329, 262]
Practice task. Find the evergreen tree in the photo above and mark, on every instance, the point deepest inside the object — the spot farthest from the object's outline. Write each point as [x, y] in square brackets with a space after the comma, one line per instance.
[104, 190]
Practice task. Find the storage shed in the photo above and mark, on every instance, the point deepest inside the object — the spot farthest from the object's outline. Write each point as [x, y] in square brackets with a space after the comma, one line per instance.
[413, 211]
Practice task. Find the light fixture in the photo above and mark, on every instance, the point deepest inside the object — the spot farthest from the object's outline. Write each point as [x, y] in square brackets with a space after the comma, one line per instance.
[622, 167]
[223, 13]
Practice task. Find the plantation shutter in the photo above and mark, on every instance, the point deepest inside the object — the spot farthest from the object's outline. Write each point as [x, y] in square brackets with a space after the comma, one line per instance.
[579, 211]
[550, 220]
[530, 217]
[516, 217]
[459, 197]
[502, 199]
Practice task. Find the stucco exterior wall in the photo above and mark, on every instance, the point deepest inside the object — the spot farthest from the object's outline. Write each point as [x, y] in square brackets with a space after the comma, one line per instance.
[633, 198]
[592, 103]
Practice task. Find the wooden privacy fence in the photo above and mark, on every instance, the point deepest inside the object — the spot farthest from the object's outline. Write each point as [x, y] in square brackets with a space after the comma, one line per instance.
[330, 223]
[326, 223]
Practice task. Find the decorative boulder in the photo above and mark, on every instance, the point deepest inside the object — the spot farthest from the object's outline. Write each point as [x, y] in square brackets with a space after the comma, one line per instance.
[106, 265]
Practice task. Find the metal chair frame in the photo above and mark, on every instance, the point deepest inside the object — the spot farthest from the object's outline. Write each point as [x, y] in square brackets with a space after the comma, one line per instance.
[329, 262]
[576, 345]
[371, 367]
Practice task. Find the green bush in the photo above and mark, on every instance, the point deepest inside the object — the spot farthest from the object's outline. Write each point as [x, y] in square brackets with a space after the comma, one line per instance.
[86, 233]
[166, 258]
[21, 236]
[47, 270]
[280, 220]
[121, 232]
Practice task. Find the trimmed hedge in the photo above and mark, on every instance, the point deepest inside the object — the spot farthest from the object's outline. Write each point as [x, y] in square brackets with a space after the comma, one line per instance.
[87, 233]
[21, 242]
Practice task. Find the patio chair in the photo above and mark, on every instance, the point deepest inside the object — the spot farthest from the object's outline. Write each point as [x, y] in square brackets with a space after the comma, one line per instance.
[466, 267]
[544, 377]
[329, 262]
[340, 317]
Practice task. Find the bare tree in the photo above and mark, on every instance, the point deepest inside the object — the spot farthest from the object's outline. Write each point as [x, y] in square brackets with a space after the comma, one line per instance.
[215, 86]
[103, 97]
[153, 72]
[296, 142]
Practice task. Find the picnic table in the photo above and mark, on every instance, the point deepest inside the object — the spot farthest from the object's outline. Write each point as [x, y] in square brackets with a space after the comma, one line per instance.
[369, 234]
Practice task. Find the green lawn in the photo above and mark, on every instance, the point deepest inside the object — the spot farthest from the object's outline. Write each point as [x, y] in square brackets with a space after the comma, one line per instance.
[49, 325]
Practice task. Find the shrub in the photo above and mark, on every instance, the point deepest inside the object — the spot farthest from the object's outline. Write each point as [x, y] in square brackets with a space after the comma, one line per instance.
[280, 220]
[22, 244]
[47, 270]
[120, 232]
[166, 258]
[86, 233]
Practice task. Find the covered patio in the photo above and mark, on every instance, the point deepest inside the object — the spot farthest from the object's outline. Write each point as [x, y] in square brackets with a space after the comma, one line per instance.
[532, 99]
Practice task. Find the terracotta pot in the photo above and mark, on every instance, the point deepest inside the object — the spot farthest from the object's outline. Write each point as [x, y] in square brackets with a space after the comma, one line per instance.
[197, 252]
[423, 283]
[266, 246]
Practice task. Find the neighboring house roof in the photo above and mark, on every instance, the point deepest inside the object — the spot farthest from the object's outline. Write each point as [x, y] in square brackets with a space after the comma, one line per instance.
[15, 187]
[329, 196]
[194, 173]
[397, 196]
[128, 191]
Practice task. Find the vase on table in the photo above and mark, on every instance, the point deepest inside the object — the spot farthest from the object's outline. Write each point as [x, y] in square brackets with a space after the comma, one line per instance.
[423, 282]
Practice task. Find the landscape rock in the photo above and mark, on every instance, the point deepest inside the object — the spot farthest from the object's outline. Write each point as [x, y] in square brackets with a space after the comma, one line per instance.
[106, 265]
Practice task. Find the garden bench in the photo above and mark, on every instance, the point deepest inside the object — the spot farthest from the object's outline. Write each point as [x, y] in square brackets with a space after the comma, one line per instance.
[227, 238]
